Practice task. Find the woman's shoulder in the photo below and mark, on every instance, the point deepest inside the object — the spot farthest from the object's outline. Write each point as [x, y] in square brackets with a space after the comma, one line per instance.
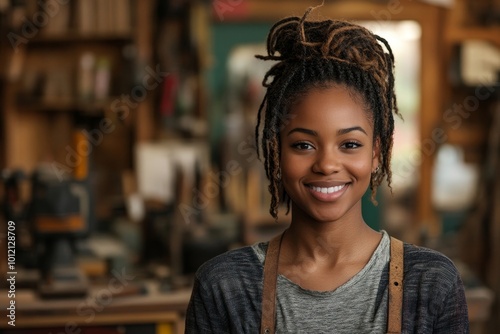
[420, 261]
[238, 262]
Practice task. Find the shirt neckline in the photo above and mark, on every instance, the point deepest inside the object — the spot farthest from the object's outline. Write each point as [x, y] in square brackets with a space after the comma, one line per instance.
[381, 250]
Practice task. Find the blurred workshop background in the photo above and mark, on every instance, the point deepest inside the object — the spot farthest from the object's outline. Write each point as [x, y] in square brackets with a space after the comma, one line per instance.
[127, 150]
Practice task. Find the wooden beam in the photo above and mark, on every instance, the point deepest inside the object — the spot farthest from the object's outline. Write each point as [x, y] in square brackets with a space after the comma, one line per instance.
[271, 11]
[145, 124]
[431, 110]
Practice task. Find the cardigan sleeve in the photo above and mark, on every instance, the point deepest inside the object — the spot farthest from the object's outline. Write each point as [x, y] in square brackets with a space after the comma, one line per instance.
[453, 316]
[434, 298]
[226, 295]
[197, 314]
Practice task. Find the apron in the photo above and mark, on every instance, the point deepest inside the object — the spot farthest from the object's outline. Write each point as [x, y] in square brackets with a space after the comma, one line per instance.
[395, 301]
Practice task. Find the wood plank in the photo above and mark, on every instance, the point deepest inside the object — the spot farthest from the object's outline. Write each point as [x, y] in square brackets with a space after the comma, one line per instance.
[458, 35]
[431, 105]
[154, 307]
[99, 319]
[260, 10]
[493, 269]
[145, 124]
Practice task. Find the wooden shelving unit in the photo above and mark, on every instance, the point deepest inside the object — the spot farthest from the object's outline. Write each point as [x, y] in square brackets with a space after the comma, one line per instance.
[479, 234]
[43, 105]
[459, 28]
[49, 51]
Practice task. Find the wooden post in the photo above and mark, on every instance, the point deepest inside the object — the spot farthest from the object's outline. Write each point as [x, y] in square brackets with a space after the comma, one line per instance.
[145, 128]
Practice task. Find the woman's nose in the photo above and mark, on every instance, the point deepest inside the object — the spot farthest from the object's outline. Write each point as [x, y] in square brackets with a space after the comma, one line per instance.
[327, 162]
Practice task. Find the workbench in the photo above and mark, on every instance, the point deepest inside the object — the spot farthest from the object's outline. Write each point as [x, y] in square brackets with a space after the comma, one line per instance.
[152, 312]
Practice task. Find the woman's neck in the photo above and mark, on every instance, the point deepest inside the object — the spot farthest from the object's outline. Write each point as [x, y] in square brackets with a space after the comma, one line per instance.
[346, 240]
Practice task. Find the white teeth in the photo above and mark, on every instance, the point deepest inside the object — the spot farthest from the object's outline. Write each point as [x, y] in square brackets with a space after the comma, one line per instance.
[328, 190]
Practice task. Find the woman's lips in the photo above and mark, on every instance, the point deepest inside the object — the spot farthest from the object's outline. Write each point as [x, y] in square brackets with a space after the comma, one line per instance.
[328, 190]
[328, 193]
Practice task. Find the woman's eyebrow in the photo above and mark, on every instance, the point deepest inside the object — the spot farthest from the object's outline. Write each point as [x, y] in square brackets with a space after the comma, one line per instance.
[339, 132]
[302, 130]
[354, 128]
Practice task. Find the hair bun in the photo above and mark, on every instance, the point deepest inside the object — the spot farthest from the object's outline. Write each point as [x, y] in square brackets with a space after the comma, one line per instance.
[295, 38]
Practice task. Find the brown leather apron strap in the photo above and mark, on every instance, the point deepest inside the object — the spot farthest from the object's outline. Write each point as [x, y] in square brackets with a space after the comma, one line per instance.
[396, 263]
[267, 325]
[268, 319]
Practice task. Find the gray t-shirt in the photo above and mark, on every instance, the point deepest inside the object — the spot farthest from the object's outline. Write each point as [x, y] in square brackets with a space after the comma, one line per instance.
[357, 306]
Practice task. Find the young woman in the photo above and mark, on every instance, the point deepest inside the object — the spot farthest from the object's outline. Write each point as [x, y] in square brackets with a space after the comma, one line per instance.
[325, 129]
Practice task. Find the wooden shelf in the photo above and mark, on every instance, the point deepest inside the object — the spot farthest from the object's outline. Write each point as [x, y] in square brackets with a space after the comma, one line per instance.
[95, 108]
[462, 34]
[76, 37]
[468, 136]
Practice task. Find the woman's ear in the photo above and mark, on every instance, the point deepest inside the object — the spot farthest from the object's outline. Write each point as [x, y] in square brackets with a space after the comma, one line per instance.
[376, 153]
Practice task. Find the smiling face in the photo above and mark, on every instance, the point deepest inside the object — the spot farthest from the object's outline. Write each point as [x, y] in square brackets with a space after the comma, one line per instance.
[327, 155]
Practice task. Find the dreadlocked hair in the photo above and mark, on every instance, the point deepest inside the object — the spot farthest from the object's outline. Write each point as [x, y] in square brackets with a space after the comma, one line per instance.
[320, 54]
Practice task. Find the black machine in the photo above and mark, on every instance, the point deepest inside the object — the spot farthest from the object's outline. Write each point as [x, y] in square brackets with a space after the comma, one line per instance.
[60, 214]
[56, 217]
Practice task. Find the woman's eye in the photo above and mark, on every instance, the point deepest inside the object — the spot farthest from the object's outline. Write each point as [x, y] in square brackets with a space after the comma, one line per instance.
[302, 146]
[351, 145]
